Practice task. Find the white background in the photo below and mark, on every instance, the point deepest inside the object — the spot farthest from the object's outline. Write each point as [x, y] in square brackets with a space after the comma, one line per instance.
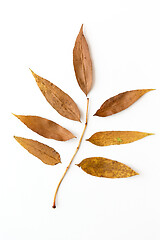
[124, 41]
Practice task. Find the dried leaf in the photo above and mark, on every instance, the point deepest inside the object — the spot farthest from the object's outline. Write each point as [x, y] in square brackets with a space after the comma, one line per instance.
[45, 153]
[116, 137]
[103, 167]
[120, 102]
[45, 127]
[64, 105]
[82, 63]
[58, 99]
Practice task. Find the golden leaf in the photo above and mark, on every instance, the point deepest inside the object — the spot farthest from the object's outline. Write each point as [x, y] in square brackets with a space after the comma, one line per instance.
[103, 167]
[116, 137]
[82, 63]
[120, 102]
[45, 127]
[58, 99]
[45, 153]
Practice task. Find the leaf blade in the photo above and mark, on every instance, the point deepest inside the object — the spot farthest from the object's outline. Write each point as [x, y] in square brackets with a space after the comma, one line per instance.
[45, 153]
[107, 138]
[45, 127]
[103, 167]
[120, 102]
[82, 63]
[58, 99]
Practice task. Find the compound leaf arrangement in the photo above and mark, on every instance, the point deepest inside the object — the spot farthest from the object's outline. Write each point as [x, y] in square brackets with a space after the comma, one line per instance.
[65, 106]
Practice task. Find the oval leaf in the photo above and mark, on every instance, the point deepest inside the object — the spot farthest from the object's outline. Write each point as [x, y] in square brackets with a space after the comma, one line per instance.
[120, 102]
[82, 63]
[46, 128]
[58, 99]
[116, 137]
[45, 153]
[103, 167]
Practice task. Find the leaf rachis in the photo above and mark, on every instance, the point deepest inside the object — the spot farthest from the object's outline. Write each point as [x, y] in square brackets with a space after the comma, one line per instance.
[80, 140]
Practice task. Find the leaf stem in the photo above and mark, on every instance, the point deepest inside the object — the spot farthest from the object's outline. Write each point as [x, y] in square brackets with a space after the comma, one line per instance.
[80, 140]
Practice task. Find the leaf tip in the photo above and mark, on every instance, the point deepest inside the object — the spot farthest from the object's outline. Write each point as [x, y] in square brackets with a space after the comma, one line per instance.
[152, 89]
[148, 134]
[151, 133]
[148, 90]
[32, 71]
[14, 114]
[96, 113]
[81, 27]
[78, 164]
[74, 136]
[15, 137]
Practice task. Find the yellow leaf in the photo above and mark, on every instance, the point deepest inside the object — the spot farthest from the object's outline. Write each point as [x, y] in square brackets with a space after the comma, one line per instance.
[103, 167]
[116, 137]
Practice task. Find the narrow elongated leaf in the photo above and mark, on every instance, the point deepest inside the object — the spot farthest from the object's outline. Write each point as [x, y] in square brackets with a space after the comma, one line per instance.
[116, 137]
[45, 127]
[82, 63]
[45, 153]
[103, 167]
[58, 99]
[120, 102]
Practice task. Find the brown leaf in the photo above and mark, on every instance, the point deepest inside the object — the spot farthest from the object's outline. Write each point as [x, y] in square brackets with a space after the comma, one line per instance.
[82, 63]
[116, 137]
[45, 127]
[120, 102]
[58, 99]
[45, 153]
[103, 167]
